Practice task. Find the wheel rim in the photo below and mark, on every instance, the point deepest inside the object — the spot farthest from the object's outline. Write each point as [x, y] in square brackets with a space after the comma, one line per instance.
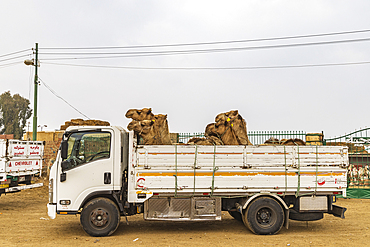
[265, 217]
[99, 217]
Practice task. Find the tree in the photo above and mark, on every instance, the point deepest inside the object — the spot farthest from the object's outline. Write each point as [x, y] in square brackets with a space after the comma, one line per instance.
[14, 112]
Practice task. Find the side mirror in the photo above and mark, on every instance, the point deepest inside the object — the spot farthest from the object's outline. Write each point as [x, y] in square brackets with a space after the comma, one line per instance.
[64, 149]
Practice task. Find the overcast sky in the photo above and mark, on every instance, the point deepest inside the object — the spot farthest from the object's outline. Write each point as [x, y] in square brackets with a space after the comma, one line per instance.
[333, 99]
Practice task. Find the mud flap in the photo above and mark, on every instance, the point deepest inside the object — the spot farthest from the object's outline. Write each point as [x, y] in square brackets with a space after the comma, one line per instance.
[338, 211]
[286, 222]
[52, 210]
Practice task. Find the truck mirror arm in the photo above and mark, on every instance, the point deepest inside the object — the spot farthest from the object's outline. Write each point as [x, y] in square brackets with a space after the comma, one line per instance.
[64, 151]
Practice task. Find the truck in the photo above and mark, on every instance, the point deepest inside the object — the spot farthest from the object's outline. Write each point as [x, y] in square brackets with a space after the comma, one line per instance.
[20, 165]
[103, 173]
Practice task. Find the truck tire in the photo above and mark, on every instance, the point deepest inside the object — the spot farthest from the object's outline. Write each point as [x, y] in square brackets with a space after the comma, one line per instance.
[236, 215]
[100, 217]
[264, 216]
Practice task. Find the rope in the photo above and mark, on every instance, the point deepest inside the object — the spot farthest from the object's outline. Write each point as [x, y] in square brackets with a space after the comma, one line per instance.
[286, 175]
[317, 166]
[195, 165]
[175, 175]
[299, 174]
[214, 169]
[219, 137]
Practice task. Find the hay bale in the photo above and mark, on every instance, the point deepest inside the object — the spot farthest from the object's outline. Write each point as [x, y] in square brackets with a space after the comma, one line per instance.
[77, 121]
[81, 122]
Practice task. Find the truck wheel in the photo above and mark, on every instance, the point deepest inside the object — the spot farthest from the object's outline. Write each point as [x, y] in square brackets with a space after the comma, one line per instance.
[100, 217]
[236, 215]
[264, 216]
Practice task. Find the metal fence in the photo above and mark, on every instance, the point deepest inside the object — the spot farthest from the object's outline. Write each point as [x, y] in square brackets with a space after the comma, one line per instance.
[358, 176]
[185, 137]
[255, 136]
[260, 136]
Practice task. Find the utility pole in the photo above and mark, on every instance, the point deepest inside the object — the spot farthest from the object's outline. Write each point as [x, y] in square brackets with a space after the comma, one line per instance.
[34, 130]
[36, 82]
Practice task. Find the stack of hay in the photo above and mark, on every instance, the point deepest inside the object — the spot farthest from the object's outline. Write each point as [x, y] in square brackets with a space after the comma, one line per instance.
[153, 129]
[81, 122]
[229, 129]
[286, 142]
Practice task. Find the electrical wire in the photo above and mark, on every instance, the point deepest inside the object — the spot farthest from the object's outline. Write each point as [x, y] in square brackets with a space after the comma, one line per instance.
[7, 59]
[30, 82]
[177, 52]
[9, 64]
[212, 68]
[13, 53]
[210, 43]
[53, 92]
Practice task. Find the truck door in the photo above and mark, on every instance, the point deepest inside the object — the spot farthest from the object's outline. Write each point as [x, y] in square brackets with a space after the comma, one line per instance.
[88, 168]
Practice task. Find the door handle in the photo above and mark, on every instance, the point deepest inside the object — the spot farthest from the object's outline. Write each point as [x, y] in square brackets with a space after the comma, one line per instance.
[107, 178]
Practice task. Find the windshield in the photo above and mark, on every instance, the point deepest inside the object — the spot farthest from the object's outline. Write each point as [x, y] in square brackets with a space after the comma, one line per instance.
[85, 147]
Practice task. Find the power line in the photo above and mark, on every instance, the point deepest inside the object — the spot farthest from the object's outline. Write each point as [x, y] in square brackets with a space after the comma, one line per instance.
[53, 92]
[30, 81]
[210, 43]
[13, 53]
[15, 57]
[181, 52]
[214, 68]
[9, 64]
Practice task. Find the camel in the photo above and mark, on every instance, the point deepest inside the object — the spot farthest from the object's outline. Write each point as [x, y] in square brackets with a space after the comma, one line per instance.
[139, 115]
[199, 141]
[221, 129]
[286, 142]
[292, 141]
[153, 129]
[158, 133]
[239, 126]
[140, 127]
[272, 141]
[210, 140]
[230, 128]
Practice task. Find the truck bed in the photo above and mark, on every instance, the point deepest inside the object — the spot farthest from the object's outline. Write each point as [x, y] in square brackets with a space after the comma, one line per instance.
[187, 170]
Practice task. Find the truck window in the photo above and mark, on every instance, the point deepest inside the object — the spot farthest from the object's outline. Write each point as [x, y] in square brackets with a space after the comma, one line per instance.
[84, 147]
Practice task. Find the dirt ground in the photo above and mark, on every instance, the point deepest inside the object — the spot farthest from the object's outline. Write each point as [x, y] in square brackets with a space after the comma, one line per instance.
[24, 222]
